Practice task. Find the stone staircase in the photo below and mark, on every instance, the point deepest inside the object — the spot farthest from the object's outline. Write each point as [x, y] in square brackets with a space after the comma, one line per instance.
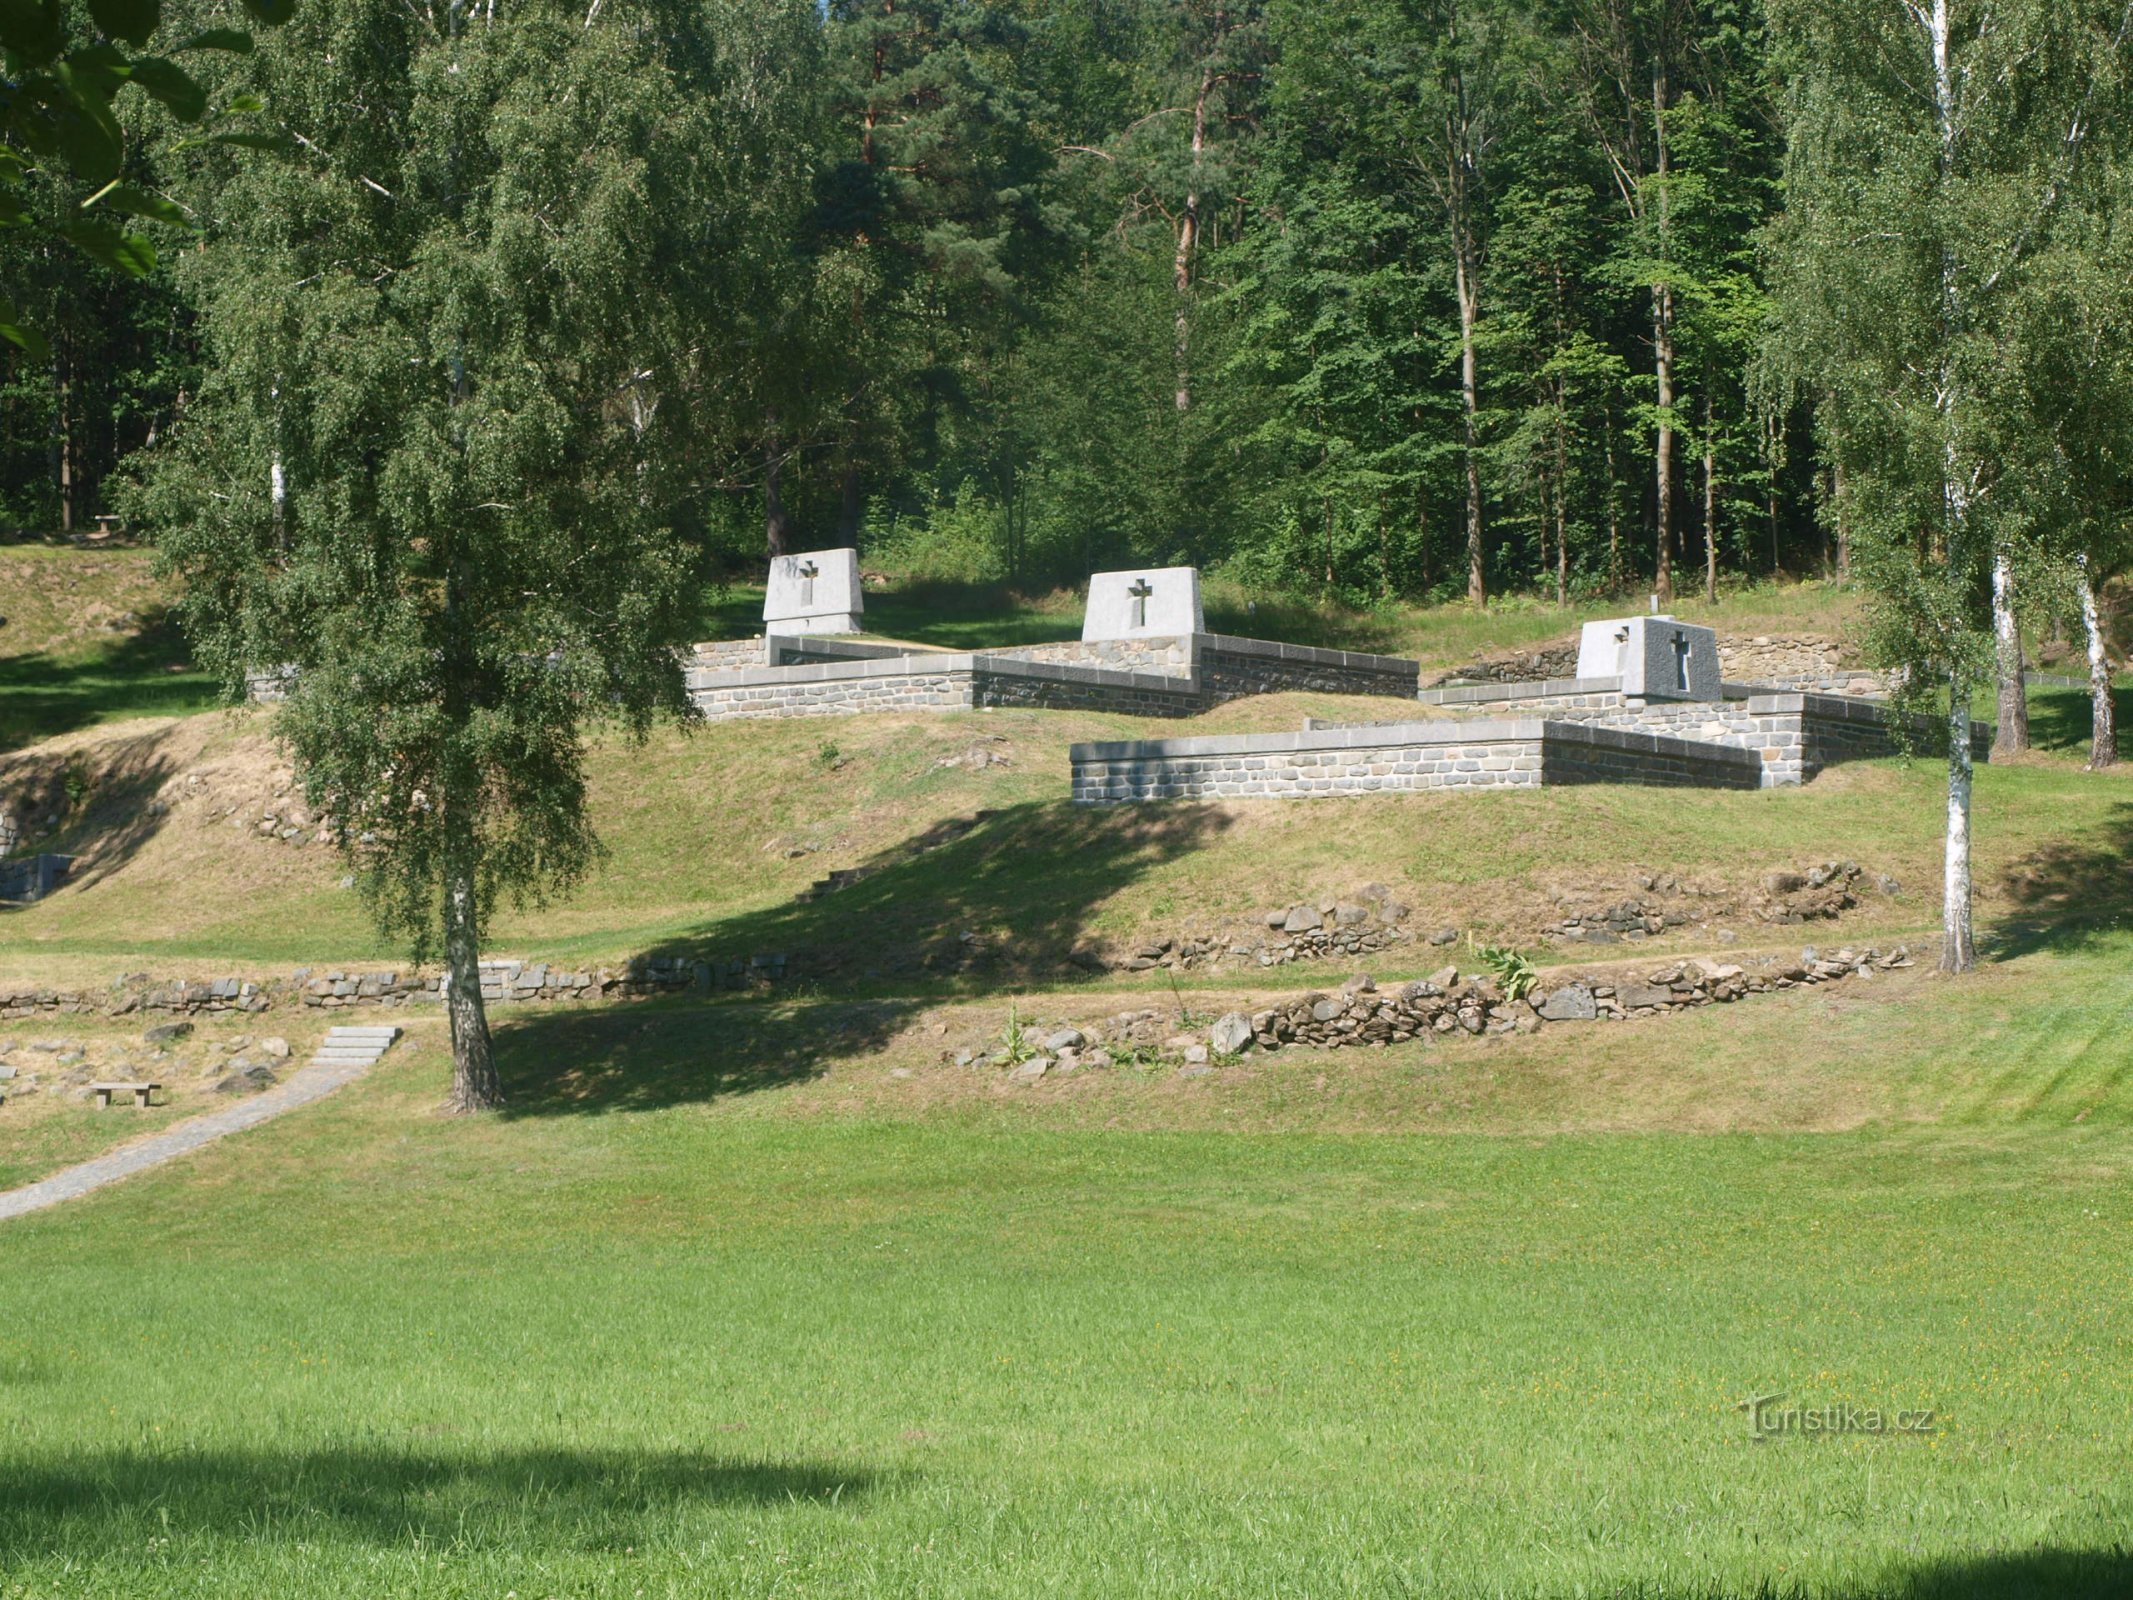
[355, 1047]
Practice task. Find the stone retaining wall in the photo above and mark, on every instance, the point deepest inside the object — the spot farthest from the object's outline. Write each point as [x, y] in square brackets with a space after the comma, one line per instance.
[502, 982]
[1397, 756]
[850, 677]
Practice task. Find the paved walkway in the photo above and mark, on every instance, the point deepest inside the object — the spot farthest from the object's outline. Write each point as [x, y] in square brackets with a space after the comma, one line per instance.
[308, 1083]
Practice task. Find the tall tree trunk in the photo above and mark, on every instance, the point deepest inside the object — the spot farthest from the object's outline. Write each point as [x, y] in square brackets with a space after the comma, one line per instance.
[1663, 361]
[63, 384]
[777, 527]
[2012, 735]
[851, 501]
[474, 1082]
[1614, 510]
[1477, 587]
[1957, 951]
[1844, 520]
[1710, 507]
[1562, 495]
[2103, 728]
[1189, 240]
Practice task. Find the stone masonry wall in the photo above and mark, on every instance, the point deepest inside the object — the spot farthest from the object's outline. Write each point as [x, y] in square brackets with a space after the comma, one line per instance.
[1233, 668]
[1396, 757]
[839, 677]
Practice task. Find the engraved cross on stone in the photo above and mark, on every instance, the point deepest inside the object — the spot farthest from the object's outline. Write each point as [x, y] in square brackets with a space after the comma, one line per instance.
[1681, 660]
[807, 583]
[1140, 589]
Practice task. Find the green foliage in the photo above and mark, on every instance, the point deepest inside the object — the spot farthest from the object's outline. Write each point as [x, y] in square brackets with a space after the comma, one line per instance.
[439, 476]
[57, 110]
[1514, 972]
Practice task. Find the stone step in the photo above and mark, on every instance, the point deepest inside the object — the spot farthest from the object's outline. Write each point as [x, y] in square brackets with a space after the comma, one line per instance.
[389, 1031]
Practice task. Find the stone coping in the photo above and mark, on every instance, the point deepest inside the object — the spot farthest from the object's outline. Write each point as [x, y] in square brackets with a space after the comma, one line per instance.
[1554, 688]
[1482, 693]
[1371, 736]
[945, 664]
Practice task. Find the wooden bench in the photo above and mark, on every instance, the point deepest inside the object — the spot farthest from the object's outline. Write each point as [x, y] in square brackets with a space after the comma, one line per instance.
[140, 1092]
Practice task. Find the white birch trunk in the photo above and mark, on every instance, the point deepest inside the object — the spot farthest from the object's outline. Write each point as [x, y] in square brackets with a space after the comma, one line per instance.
[2103, 722]
[1958, 951]
[2012, 734]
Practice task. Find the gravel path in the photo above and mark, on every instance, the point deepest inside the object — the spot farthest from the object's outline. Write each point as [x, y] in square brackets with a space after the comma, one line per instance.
[301, 1087]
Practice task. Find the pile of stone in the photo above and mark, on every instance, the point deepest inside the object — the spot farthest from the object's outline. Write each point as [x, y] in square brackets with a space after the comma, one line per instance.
[1820, 893]
[1443, 1004]
[1363, 924]
[1612, 924]
[1548, 663]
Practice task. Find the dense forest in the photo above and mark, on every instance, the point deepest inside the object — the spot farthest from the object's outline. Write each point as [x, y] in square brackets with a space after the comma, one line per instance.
[1358, 297]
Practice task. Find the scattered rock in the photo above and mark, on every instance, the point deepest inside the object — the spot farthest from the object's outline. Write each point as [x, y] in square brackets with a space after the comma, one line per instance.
[1064, 1039]
[276, 1046]
[247, 1079]
[1571, 1003]
[1232, 1034]
[168, 1033]
[1445, 936]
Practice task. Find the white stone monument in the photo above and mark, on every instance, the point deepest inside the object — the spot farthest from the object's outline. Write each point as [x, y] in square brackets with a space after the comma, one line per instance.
[1657, 658]
[816, 591]
[1153, 603]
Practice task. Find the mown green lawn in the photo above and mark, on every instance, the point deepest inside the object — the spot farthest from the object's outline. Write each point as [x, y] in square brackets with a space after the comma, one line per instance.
[744, 1344]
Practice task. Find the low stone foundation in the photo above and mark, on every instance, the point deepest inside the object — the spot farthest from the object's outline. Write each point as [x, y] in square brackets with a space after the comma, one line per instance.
[502, 982]
[1169, 677]
[1399, 756]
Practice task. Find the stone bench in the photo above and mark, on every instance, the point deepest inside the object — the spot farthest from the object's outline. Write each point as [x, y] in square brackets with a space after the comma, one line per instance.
[140, 1092]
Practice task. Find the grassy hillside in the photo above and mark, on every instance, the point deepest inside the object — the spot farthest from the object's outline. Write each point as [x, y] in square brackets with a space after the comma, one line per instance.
[86, 637]
[712, 831]
[763, 1294]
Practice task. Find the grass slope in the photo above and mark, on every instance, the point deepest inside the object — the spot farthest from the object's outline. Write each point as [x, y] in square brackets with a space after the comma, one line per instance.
[764, 1296]
[1009, 1345]
[712, 832]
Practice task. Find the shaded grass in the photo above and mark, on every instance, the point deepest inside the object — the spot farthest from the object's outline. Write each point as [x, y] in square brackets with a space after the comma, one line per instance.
[88, 637]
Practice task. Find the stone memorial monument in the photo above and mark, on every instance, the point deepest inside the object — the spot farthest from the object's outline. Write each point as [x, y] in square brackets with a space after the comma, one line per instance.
[1657, 658]
[1150, 604]
[816, 591]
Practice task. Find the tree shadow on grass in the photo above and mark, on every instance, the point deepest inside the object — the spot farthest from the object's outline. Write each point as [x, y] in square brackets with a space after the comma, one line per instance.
[2071, 893]
[576, 1498]
[2042, 1574]
[101, 816]
[2060, 719]
[980, 904]
[42, 696]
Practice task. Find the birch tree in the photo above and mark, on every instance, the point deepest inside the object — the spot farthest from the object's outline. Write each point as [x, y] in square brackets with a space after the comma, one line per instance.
[473, 557]
[1939, 152]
